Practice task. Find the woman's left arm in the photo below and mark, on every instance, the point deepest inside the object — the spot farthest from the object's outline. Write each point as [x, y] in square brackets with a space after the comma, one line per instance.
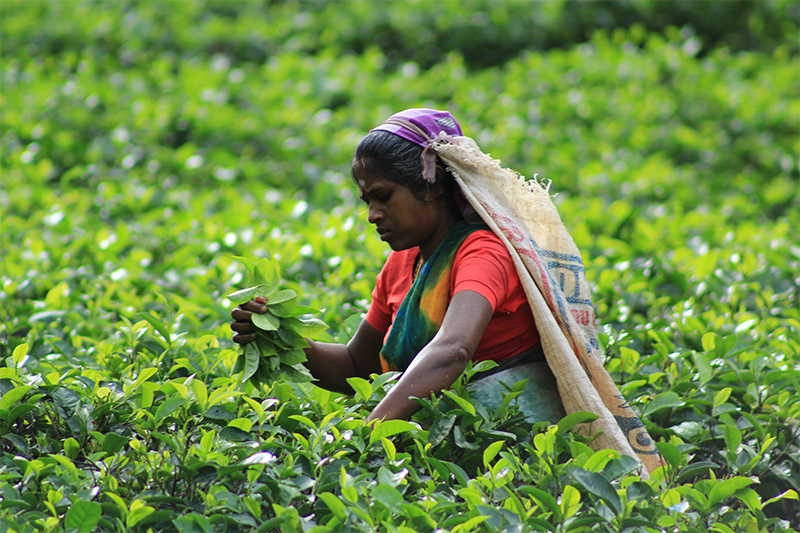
[443, 360]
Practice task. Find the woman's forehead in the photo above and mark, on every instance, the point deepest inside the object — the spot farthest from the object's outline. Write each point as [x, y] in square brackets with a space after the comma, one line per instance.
[363, 172]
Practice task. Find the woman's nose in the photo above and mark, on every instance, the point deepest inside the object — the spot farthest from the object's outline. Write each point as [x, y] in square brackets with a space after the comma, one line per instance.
[374, 215]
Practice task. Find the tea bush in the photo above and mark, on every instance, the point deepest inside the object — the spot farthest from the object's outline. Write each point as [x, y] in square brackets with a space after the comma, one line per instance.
[485, 33]
[141, 154]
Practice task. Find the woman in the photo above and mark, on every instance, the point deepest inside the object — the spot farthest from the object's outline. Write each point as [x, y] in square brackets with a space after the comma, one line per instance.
[449, 292]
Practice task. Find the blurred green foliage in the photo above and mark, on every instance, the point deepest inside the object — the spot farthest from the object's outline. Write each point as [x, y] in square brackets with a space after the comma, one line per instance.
[485, 32]
[144, 144]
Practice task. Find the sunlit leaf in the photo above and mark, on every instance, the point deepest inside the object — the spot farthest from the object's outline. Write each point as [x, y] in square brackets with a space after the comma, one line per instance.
[461, 402]
[83, 516]
[243, 295]
[573, 419]
[725, 488]
[389, 428]
[266, 321]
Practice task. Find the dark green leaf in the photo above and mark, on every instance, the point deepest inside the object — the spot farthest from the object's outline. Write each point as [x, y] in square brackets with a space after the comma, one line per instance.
[695, 469]
[265, 346]
[617, 468]
[440, 429]
[113, 443]
[293, 357]
[540, 523]
[600, 487]
[168, 407]
[671, 453]
[18, 442]
[193, 523]
[296, 373]
[545, 499]
[68, 400]
[639, 490]
[664, 400]
[16, 412]
[460, 439]
[459, 473]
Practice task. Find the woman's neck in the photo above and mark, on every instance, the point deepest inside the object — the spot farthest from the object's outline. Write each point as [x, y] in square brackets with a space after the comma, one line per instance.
[427, 249]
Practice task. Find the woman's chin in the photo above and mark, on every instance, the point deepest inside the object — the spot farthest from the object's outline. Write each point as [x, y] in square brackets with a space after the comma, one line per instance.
[396, 245]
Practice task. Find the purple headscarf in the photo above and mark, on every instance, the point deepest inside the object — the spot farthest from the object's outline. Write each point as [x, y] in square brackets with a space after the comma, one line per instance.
[421, 126]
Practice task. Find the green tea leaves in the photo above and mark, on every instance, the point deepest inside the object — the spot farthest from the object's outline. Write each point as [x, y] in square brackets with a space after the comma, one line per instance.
[266, 321]
[296, 373]
[244, 295]
[282, 303]
[307, 327]
[389, 428]
[136, 161]
[83, 516]
[278, 348]
[252, 358]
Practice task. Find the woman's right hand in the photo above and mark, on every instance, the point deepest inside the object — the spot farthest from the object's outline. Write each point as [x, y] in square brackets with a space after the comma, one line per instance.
[242, 323]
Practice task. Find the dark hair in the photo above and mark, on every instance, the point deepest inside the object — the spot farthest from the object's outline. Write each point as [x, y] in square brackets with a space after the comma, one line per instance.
[399, 160]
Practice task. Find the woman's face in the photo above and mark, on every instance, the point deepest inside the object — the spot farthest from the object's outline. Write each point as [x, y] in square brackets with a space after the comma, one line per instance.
[402, 220]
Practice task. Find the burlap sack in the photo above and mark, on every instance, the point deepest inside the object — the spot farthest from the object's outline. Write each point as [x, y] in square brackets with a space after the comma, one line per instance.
[550, 267]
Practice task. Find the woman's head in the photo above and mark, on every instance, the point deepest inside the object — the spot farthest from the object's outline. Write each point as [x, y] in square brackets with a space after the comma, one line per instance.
[400, 161]
[398, 151]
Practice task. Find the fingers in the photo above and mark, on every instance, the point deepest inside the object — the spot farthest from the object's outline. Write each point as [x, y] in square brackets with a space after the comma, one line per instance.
[245, 331]
[243, 319]
[244, 313]
[243, 327]
[255, 306]
[244, 339]
[240, 315]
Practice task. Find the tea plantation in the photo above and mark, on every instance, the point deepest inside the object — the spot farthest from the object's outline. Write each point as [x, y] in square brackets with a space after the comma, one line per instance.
[145, 145]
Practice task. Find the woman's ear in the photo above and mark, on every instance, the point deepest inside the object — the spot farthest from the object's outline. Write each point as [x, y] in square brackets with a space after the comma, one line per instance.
[436, 189]
[441, 176]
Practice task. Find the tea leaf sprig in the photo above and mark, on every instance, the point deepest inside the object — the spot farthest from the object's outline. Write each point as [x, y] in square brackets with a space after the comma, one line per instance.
[281, 333]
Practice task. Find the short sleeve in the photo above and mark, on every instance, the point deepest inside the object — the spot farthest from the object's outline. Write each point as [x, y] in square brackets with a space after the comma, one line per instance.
[483, 265]
[379, 316]
[391, 286]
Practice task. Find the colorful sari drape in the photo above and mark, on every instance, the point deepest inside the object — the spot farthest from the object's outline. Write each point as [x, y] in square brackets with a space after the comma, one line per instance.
[422, 311]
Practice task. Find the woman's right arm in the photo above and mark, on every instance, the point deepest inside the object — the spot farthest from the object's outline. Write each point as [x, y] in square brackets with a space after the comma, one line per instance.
[330, 364]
